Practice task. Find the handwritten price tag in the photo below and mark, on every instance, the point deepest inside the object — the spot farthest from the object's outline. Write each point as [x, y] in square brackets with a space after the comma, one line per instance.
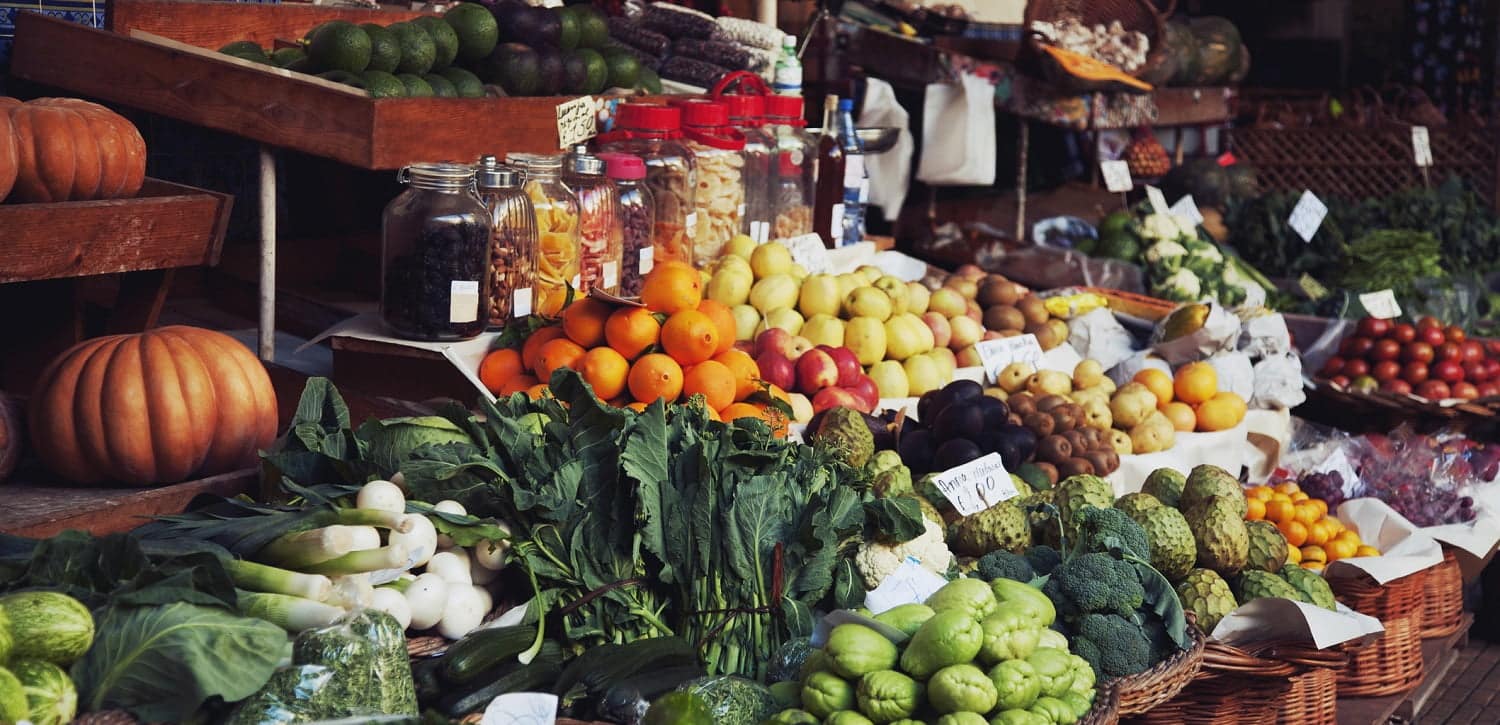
[1421, 145]
[977, 485]
[521, 708]
[1307, 216]
[1158, 201]
[1116, 176]
[808, 250]
[576, 121]
[1381, 304]
[1188, 209]
[908, 584]
[994, 355]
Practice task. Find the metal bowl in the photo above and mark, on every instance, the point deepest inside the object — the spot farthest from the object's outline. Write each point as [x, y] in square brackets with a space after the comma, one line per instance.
[876, 140]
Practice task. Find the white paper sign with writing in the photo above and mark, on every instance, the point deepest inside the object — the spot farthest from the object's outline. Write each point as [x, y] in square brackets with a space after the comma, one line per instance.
[521, 708]
[576, 121]
[994, 355]
[977, 485]
[1381, 304]
[1308, 215]
[809, 251]
[908, 584]
[1116, 176]
[1188, 209]
[1158, 201]
[1421, 145]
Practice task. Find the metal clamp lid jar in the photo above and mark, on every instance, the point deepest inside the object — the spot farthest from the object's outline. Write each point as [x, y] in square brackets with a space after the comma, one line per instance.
[557, 263]
[600, 238]
[512, 241]
[434, 255]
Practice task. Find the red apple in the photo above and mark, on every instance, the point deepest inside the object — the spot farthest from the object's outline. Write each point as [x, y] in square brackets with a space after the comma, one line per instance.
[1403, 333]
[1434, 390]
[816, 370]
[1340, 380]
[1475, 372]
[1356, 367]
[1356, 347]
[1489, 389]
[775, 339]
[1473, 351]
[1429, 322]
[1454, 333]
[835, 398]
[864, 389]
[1386, 370]
[1373, 327]
[1431, 335]
[1448, 371]
[1450, 351]
[1385, 350]
[777, 370]
[1333, 367]
[1465, 391]
[848, 364]
[1418, 352]
[1415, 372]
[1397, 386]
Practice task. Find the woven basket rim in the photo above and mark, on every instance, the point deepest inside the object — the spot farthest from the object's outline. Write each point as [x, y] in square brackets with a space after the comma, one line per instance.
[1144, 690]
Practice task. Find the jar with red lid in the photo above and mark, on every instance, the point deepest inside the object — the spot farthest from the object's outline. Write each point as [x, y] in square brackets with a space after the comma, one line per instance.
[792, 178]
[654, 133]
[637, 212]
[747, 115]
[718, 152]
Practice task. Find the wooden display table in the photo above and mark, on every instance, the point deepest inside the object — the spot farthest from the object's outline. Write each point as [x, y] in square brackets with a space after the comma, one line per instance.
[1438, 656]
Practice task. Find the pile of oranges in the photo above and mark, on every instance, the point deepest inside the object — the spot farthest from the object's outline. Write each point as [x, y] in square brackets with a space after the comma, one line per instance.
[677, 346]
[1314, 539]
[1192, 399]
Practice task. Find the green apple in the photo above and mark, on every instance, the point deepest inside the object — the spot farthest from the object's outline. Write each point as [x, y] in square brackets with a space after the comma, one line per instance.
[870, 273]
[820, 296]
[868, 302]
[774, 292]
[890, 379]
[897, 291]
[769, 259]
[866, 338]
[741, 247]
[922, 374]
[823, 329]
[917, 297]
[746, 318]
[784, 318]
[730, 286]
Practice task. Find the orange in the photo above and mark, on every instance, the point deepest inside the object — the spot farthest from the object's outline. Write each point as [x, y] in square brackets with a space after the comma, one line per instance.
[631, 331]
[714, 415]
[714, 381]
[1280, 511]
[746, 372]
[723, 320]
[1255, 509]
[736, 411]
[690, 337]
[1223, 411]
[1313, 566]
[1366, 550]
[538, 391]
[1334, 524]
[531, 351]
[498, 367]
[1323, 507]
[777, 393]
[672, 287]
[1181, 414]
[1159, 382]
[637, 407]
[1317, 534]
[1349, 536]
[517, 384]
[1288, 487]
[606, 370]
[1314, 554]
[583, 321]
[1307, 513]
[1196, 383]
[557, 354]
[1340, 549]
[1300, 496]
[1294, 531]
[1293, 555]
[1262, 492]
[655, 376]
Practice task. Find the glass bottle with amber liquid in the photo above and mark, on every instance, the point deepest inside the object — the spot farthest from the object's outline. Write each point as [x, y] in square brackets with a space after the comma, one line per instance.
[828, 202]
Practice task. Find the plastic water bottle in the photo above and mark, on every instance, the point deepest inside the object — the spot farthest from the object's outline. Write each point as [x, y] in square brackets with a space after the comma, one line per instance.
[856, 180]
[788, 78]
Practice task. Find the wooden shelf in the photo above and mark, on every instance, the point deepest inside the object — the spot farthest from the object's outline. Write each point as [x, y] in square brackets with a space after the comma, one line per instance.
[1438, 656]
[153, 61]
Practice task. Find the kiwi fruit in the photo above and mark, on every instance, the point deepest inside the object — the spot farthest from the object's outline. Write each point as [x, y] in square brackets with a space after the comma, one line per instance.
[1033, 309]
[1003, 317]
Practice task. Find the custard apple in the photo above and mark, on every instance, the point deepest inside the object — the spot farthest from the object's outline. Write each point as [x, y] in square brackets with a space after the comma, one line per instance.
[1135, 505]
[1043, 523]
[1256, 584]
[1267, 546]
[1166, 485]
[1209, 480]
[1223, 542]
[1173, 549]
[1204, 593]
[843, 431]
[929, 512]
[1312, 586]
[1075, 492]
[888, 475]
[999, 527]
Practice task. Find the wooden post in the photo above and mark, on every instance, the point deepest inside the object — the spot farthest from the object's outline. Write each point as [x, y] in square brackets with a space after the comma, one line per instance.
[267, 325]
[1025, 144]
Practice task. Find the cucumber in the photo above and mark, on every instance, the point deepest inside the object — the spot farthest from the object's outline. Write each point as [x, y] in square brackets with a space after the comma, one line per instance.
[527, 678]
[599, 668]
[482, 649]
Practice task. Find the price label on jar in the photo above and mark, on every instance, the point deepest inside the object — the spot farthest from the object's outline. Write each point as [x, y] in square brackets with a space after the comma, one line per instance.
[977, 485]
[576, 121]
[1421, 145]
[463, 301]
[520, 302]
[1381, 304]
[1187, 209]
[1116, 176]
[1307, 216]
[994, 355]
[611, 275]
[647, 260]
[1158, 201]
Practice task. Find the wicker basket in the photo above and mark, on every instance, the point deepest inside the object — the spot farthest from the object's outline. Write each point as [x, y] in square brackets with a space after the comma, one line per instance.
[1233, 687]
[1393, 664]
[1134, 15]
[1141, 692]
[1443, 600]
[1393, 600]
[1106, 710]
[1312, 700]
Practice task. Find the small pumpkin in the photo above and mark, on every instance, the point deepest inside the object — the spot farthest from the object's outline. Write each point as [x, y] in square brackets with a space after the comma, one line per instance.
[70, 150]
[7, 147]
[152, 408]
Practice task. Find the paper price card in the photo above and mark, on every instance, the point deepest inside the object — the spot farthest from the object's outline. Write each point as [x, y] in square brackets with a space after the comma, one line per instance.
[521, 708]
[576, 121]
[1307, 216]
[1188, 209]
[977, 485]
[1158, 201]
[1116, 176]
[1381, 304]
[908, 584]
[994, 355]
[1421, 145]
[809, 251]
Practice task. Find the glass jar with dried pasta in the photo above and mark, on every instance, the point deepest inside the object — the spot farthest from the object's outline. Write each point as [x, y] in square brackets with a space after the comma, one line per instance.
[434, 254]
[792, 182]
[654, 133]
[599, 234]
[747, 115]
[512, 241]
[718, 151]
[557, 230]
[637, 217]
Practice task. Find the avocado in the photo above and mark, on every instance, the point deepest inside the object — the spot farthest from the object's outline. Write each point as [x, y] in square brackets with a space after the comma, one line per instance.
[302, 65]
[507, 14]
[567, 23]
[441, 87]
[443, 38]
[476, 30]
[649, 81]
[415, 86]
[381, 84]
[340, 45]
[467, 84]
[418, 51]
[344, 77]
[597, 71]
[244, 49]
[284, 57]
[550, 71]
[624, 71]
[575, 73]
[385, 49]
[532, 26]
[514, 67]
[593, 31]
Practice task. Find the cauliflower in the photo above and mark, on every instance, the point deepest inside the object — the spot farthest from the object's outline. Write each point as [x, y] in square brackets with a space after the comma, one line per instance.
[876, 561]
[1163, 227]
[1181, 286]
[1168, 256]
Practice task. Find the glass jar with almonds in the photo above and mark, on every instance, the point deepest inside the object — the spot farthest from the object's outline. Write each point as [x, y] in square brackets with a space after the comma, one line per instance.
[556, 208]
[718, 151]
[512, 242]
[654, 133]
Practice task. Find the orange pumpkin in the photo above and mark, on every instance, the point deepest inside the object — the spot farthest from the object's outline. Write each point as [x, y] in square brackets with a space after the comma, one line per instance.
[70, 150]
[153, 408]
[7, 147]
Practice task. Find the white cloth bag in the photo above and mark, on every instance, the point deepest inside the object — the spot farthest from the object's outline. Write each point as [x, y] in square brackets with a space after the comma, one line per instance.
[890, 172]
[958, 134]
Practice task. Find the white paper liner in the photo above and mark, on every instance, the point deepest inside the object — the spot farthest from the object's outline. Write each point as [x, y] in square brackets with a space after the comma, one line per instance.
[1404, 548]
[1227, 449]
[1271, 618]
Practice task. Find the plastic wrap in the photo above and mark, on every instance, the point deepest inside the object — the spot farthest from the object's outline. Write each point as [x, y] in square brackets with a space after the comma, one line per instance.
[1098, 335]
[748, 32]
[1428, 478]
[1278, 382]
[1236, 373]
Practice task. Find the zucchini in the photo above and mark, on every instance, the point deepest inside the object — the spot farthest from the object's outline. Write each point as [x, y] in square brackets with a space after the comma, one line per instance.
[482, 649]
[627, 700]
[614, 663]
[528, 678]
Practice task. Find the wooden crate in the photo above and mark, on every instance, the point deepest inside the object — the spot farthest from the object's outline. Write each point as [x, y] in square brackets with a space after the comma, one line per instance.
[166, 225]
[158, 60]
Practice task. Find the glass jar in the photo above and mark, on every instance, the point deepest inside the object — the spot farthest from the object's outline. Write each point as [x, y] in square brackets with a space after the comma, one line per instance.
[599, 233]
[747, 115]
[434, 252]
[556, 209]
[637, 219]
[719, 199]
[512, 241]
[654, 133]
[792, 183]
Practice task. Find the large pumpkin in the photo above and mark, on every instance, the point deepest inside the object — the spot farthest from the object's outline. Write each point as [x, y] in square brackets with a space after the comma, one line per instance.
[70, 150]
[7, 147]
[157, 407]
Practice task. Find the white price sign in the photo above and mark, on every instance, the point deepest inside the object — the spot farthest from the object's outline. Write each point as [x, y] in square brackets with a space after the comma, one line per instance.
[1421, 145]
[1307, 216]
[809, 251]
[994, 355]
[521, 708]
[1381, 304]
[576, 121]
[1188, 209]
[977, 485]
[1116, 176]
[908, 584]
[1158, 201]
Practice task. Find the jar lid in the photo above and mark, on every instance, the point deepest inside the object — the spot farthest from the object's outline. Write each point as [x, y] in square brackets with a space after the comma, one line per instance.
[497, 176]
[648, 117]
[781, 106]
[534, 161]
[745, 109]
[438, 171]
[624, 166]
[588, 165]
[709, 114]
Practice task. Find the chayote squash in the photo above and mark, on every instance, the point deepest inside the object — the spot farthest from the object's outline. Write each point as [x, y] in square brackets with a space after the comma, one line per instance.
[951, 637]
[887, 696]
[825, 693]
[962, 718]
[1024, 598]
[847, 717]
[1008, 635]
[1083, 676]
[1054, 669]
[971, 596]
[1016, 684]
[907, 617]
[961, 688]
[792, 717]
[1052, 639]
[1054, 710]
[1080, 703]
[1018, 717]
[854, 649]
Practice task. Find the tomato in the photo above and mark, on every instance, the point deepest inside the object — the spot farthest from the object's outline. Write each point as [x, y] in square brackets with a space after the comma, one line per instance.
[1431, 335]
[1357, 367]
[1465, 391]
[1449, 371]
[1472, 351]
[1450, 351]
[1398, 386]
[1454, 333]
[1386, 370]
[1403, 333]
[1429, 322]
[1415, 372]
[1373, 327]
[1434, 390]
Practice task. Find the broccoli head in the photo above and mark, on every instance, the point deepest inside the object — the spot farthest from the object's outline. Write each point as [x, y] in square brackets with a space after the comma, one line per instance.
[1100, 528]
[1002, 564]
[1043, 559]
[1113, 645]
[1095, 583]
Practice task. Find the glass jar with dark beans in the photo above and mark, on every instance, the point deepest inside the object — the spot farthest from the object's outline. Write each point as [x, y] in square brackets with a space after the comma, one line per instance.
[637, 218]
[435, 244]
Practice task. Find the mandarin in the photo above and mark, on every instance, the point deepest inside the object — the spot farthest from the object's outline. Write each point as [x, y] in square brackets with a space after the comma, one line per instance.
[632, 331]
[672, 287]
[655, 376]
[690, 337]
[605, 370]
[723, 320]
[583, 321]
[498, 367]
[713, 380]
